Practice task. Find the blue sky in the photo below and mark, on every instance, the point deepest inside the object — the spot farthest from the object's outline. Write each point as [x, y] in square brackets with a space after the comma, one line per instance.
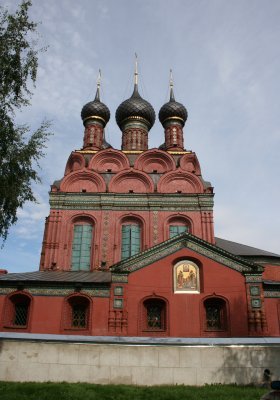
[225, 57]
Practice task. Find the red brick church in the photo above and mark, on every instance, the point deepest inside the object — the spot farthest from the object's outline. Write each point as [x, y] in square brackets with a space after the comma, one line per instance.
[129, 246]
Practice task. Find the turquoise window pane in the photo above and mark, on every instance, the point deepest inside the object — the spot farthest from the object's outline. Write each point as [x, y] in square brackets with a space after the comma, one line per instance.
[131, 240]
[81, 247]
[175, 230]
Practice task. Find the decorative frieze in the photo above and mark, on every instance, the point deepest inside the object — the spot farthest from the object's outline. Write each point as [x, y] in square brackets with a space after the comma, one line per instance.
[105, 236]
[272, 293]
[119, 278]
[155, 227]
[40, 291]
[132, 201]
[253, 278]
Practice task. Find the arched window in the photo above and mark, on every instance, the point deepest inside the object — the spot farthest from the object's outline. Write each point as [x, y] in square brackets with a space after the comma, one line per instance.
[154, 315]
[82, 246]
[215, 314]
[131, 239]
[186, 277]
[77, 312]
[17, 311]
[177, 225]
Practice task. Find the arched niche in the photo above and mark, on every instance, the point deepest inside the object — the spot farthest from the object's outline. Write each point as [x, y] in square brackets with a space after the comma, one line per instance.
[189, 163]
[156, 161]
[83, 181]
[179, 182]
[109, 160]
[131, 181]
[75, 162]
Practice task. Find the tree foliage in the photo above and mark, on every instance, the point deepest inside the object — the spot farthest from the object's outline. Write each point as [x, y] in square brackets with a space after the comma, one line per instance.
[19, 148]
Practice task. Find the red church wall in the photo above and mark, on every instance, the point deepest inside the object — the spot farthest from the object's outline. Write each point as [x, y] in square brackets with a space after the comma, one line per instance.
[272, 309]
[186, 310]
[272, 272]
[57, 249]
[47, 315]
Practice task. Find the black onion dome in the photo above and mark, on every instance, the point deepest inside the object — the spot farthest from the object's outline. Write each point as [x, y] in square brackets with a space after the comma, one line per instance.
[96, 109]
[173, 110]
[135, 107]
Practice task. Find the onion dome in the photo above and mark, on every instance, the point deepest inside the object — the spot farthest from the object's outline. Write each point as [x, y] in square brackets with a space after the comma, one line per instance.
[135, 108]
[96, 110]
[173, 110]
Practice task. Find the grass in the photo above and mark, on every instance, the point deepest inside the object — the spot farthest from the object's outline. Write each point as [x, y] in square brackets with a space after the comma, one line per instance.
[82, 391]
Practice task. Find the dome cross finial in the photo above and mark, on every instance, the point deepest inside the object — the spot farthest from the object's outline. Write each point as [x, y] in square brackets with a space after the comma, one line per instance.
[98, 83]
[171, 85]
[136, 71]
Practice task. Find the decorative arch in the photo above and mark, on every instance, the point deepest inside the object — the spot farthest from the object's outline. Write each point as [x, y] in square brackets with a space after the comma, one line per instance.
[190, 163]
[176, 224]
[215, 315]
[153, 316]
[83, 181]
[131, 181]
[76, 313]
[109, 160]
[76, 161]
[17, 310]
[156, 161]
[179, 182]
[84, 218]
[186, 277]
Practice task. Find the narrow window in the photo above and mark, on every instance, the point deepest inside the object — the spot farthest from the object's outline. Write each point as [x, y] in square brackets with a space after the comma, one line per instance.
[77, 313]
[154, 315]
[131, 240]
[17, 311]
[175, 230]
[215, 314]
[21, 314]
[81, 247]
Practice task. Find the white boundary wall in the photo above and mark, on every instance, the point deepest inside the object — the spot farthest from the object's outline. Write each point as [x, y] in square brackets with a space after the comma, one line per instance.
[29, 359]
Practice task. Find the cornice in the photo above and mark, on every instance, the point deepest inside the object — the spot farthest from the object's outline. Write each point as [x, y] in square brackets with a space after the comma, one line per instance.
[131, 201]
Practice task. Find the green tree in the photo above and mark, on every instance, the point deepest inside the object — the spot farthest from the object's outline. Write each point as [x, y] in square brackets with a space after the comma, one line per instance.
[20, 149]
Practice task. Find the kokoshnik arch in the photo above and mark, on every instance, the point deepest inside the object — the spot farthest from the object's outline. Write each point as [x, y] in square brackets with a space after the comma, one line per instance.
[129, 246]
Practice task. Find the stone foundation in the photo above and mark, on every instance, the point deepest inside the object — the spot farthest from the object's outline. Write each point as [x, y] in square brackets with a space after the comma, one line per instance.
[136, 361]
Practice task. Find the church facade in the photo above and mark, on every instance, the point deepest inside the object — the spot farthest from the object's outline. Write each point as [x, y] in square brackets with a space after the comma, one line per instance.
[129, 246]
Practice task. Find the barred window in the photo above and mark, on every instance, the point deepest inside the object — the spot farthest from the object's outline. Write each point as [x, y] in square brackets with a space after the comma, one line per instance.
[76, 313]
[79, 315]
[21, 314]
[154, 315]
[215, 314]
[17, 311]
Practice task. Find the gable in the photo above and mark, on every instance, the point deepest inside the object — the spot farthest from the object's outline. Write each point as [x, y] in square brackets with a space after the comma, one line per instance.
[187, 241]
